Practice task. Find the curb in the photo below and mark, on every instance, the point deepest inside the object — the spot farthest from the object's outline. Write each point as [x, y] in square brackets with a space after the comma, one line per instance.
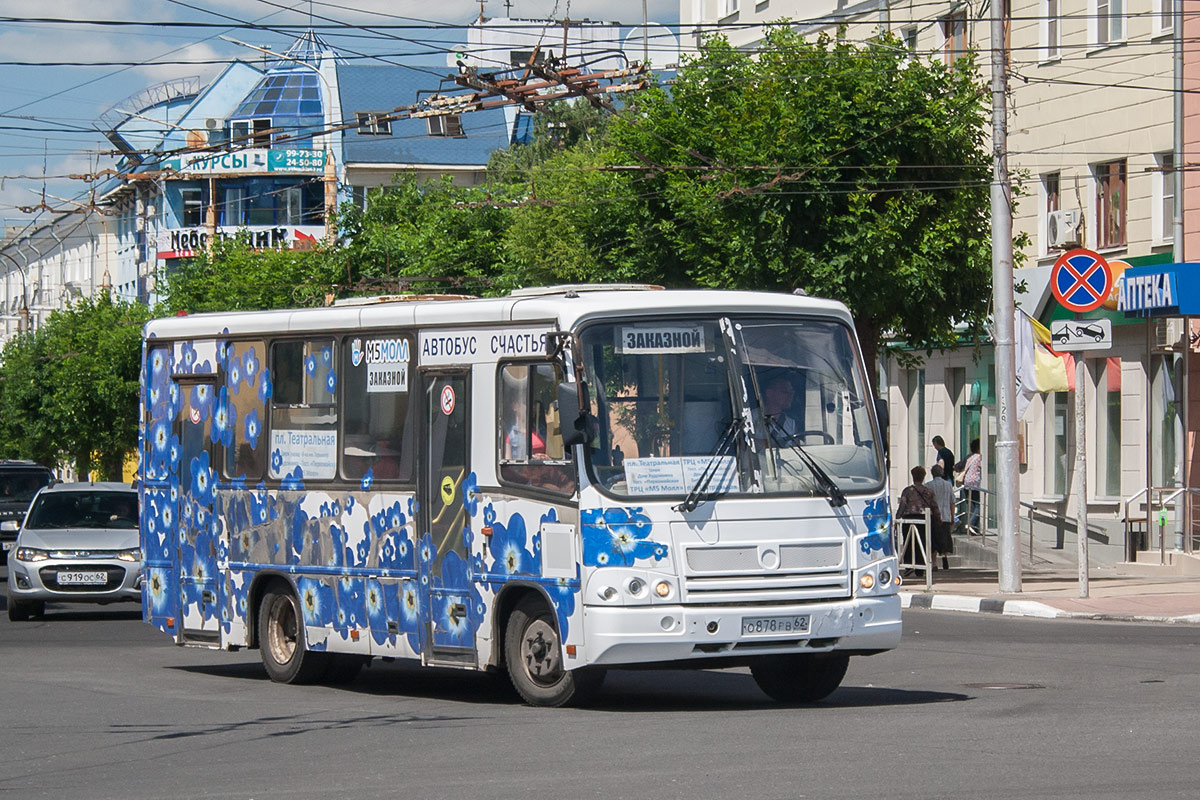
[1025, 608]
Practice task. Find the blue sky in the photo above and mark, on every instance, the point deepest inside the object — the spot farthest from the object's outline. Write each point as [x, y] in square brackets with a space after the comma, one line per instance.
[48, 114]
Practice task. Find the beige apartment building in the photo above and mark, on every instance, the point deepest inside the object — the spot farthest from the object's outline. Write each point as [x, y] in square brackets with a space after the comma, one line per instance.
[1092, 146]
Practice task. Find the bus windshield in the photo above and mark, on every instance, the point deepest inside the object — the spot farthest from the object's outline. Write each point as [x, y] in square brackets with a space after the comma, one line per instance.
[667, 393]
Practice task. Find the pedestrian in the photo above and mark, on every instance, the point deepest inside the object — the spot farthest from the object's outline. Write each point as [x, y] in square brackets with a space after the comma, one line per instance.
[945, 457]
[943, 492]
[913, 502]
[972, 470]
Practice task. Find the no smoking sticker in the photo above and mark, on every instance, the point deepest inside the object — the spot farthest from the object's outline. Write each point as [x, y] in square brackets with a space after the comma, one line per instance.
[447, 400]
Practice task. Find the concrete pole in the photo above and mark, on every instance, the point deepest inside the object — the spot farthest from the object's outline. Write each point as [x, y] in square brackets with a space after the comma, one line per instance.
[1007, 477]
[1081, 516]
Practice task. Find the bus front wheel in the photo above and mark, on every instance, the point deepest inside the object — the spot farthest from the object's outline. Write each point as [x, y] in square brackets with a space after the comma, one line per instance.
[534, 658]
[800, 678]
[281, 640]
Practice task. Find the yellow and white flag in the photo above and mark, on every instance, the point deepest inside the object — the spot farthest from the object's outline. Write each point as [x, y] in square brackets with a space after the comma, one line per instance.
[1038, 370]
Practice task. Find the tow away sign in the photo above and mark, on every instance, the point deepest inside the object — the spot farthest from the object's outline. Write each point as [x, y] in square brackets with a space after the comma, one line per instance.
[1071, 335]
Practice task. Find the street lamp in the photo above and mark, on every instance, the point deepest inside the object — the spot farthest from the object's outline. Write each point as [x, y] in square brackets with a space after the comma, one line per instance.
[23, 313]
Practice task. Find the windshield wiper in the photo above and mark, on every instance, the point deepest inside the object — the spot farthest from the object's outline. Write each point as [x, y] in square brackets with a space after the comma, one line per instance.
[825, 484]
[699, 492]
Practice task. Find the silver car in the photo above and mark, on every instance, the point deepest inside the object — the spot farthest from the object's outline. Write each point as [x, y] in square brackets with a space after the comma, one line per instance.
[79, 544]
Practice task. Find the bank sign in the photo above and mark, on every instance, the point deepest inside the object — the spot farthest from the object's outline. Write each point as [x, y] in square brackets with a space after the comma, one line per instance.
[249, 162]
[186, 242]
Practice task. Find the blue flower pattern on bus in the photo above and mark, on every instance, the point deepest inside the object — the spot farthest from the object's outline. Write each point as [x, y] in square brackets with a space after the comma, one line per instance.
[618, 537]
[456, 629]
[877, 516]
[510, 556]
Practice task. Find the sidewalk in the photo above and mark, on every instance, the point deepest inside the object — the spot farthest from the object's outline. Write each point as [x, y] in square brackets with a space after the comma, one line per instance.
[1055, 594]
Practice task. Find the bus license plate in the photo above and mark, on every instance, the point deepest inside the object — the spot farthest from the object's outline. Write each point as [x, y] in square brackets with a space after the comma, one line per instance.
[758, 626]
[82, 578]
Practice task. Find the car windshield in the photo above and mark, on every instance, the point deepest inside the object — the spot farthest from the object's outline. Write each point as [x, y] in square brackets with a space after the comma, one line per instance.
[20, 486]
[665, 392]
[84, 510]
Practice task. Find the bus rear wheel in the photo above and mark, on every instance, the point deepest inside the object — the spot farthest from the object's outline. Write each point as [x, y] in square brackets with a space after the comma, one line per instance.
[281, 640]
[534, 658]
[800, 678]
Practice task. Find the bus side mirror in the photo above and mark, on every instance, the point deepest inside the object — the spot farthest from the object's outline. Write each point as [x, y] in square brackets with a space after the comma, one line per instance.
[578, 427]
[881, 412]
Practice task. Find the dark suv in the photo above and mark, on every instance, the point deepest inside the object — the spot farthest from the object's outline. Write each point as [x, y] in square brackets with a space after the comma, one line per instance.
[19, 482]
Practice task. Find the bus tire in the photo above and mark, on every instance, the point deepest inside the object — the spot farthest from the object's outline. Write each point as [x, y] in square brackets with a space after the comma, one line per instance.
[800, 678]
[343, 668]
[533, 656]
[281, 640]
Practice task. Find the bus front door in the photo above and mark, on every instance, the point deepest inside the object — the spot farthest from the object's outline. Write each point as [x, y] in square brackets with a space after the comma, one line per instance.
[450, 603]
[196, 541]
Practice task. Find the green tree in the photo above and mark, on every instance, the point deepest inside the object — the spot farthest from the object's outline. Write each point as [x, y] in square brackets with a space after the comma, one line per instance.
[69, 390]
[233, 276]
[432, 235]
[853, 171]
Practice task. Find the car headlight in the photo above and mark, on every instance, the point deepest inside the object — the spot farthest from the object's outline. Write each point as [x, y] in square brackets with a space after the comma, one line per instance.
[32, 554]
[129, 555]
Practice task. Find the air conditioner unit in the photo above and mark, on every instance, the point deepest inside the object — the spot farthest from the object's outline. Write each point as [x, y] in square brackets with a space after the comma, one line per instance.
[212, 123]
[1062, 229]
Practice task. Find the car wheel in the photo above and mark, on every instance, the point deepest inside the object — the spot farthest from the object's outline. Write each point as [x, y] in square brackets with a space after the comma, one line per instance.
[18, 611]
[281, 640]
[533, 656]
[803, 678]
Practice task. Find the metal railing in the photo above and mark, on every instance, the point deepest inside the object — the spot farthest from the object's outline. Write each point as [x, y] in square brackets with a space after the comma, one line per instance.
[976, 524]
[1167, 497]
[916, 540]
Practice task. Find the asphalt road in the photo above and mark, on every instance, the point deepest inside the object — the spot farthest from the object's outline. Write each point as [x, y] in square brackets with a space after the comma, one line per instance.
[96, 704]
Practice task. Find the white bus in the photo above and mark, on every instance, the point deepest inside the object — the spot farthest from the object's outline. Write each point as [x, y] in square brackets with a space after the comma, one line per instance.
[550, 483]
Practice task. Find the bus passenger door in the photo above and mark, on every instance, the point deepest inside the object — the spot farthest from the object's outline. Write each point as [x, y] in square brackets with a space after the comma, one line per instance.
[196, 540]
[450, 605]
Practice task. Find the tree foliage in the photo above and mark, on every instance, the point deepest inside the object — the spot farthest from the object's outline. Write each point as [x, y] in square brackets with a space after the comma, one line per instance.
[232, 276]
[69, 390]
[853, 171]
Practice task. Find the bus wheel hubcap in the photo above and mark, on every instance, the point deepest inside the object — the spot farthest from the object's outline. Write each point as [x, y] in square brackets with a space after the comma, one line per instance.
[539, 651]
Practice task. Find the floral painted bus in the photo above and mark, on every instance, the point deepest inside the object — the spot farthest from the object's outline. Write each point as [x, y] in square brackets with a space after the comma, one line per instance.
[550, 483]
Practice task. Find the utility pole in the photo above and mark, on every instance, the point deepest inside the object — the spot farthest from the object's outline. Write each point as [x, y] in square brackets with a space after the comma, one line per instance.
[1007, 476]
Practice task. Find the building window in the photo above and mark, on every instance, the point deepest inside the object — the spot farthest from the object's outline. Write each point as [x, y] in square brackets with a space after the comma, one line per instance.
[1108, 420]
[726, 8]
[1166, 15]
[909, 37]
[373, 123]
[191, 208]
[291, 206]
[445, 125]
[1056, 444]
[1110, 203]
[1050, 36]
[233, 212]
[1110, 21]
[954, 33]
[1167, 416]
[1164, 198]
[1051, 183]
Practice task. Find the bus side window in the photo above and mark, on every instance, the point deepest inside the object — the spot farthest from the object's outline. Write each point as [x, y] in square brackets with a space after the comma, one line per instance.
[303, 409]
[378, 426]
[530, 445]
[247, 456]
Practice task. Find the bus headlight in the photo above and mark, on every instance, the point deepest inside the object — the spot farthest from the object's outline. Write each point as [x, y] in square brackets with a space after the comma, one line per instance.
[885, 577]
[866, 580]
[636, 587]
[662, 589]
